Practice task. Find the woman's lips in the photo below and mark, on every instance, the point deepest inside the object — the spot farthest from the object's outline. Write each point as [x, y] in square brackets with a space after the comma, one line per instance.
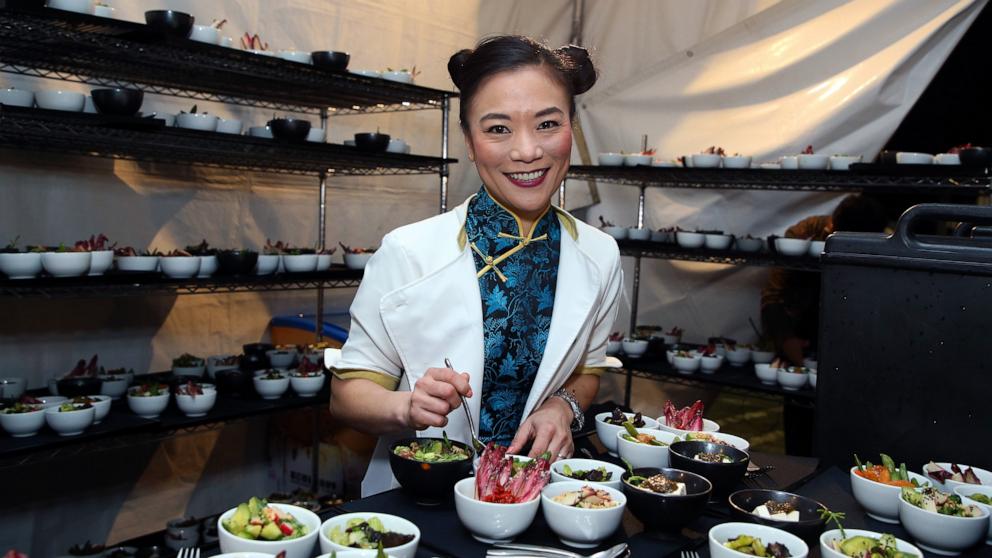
[531, 179]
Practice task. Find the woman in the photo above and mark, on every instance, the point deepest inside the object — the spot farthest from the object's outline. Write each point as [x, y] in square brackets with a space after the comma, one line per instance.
[517, 293]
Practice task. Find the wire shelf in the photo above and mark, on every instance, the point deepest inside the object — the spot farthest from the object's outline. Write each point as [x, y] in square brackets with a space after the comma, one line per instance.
[660, 250]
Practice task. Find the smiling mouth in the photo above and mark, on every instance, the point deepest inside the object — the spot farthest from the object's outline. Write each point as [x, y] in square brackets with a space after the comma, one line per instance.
[527, 179]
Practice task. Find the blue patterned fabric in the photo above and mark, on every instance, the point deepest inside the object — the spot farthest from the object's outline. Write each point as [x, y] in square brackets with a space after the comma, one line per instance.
[516, 313]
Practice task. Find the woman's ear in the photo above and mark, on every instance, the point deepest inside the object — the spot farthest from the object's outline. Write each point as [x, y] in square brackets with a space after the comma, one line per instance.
[469, 145]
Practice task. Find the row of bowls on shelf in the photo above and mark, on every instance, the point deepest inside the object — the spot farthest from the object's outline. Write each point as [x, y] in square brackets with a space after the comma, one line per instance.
[75, 264]
[790, 377]
[718, 241]
[812, 161]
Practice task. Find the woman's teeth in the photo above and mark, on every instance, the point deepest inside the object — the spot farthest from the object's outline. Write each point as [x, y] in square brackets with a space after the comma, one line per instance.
[525, 176]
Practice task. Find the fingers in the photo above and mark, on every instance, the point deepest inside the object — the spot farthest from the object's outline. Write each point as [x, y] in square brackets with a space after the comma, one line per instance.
[435, 395]
[524, 434]
[542, 440]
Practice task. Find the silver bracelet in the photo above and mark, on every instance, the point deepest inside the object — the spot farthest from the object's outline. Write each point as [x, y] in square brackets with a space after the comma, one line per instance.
[579, 418]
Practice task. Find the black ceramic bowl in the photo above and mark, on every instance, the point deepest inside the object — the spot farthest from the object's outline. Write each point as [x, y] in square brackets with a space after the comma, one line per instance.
[724, 476]
[330, 60]
[76, 387]
[255, 357]
[887, 158]
[661, 512]
[232, 381]
[429, 483]
[809, 526]
[975, 156]
[289, 129]
[118, 101]
[236, 262]
[170, 22]
[372, 142]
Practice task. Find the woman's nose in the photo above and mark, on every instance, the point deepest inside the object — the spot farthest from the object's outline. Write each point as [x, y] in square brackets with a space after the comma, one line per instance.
[526, 148]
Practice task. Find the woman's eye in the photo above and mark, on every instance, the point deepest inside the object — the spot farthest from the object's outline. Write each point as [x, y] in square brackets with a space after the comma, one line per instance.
[497, 129]
[548, 124]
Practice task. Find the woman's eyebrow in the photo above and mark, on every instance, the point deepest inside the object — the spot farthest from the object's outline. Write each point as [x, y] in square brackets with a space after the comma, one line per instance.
[548, 111]
[494, 116]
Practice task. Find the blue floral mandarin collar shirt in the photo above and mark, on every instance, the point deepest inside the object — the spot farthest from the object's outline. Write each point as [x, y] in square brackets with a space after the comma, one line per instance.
[517, 279]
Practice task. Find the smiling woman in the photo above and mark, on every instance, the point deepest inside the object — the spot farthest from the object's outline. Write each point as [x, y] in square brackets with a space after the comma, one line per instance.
[517, 292]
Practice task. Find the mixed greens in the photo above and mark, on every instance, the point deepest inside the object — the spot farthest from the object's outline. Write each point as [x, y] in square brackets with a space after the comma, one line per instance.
[255, 519]
[754, 546]
[886, 473]
[368, 534]
[599, 474]
[433, 451]
[933, 500]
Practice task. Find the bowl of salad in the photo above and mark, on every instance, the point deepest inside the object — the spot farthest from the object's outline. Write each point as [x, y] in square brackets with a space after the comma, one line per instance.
[428, 468]
[195, 399]
[271, 384]
[877, 487]
[940, 522]
[582, 514]
[732, 540]
[644, 447]
[365, 530]
[70, 419]
[722, 465]
[21, 420]
[856, 543]
[609, 423]
[948, 476]
[665, 499]
[187, 365]
[148, 400]
[590, 471]
[258, 526]
[980, 496]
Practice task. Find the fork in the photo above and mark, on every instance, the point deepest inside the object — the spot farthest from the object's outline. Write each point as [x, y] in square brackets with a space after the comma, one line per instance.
[189, 552]
[690, 554]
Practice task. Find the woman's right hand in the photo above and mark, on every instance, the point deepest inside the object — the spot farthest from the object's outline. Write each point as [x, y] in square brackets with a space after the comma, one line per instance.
[434, 396]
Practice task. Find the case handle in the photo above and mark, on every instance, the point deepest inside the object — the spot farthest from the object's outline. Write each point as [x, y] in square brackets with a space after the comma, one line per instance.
[967, 215]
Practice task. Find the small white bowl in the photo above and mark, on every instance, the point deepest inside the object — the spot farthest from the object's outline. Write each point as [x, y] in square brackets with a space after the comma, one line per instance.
[281, 358]
[789, 162]
[306, 386]
[737, 161]
[357, 261]
[634, 347]
[367, 73]
[205, 34]
[966, 492]
[816, 248]
[148, 407]
[66, 264]
[843, 162]
[229, 126]
[114, 387]
[607, 433]
[578, 527]
[827, 551]
[738, 356]
[69, 423]
[302, 547]
[767, 374]
[637, 159]
[687, 161]
[79, 6]
[180, 267]
[792, 246]
[302, 263]
[297, 56]
[686, 365]
[317, 135]
[949, 485]
[670, 339]
[145, 264]
[718, 241]
[101, 407]
[577, 464]
[947, 159]
[197, 121]
[644, 455]
[489, 522]
[390, 522]
[690, 239]
[199, 405]
[791, 381]
[190, 371]
[22, 425]
[267, 264]
[639, 234]
[710, 364]
[13, 97]
[942, 534]
[263, 132]
[813, 161]
[880, 501]
[21, 266]
[708, 426]
[271, 389]
[768, 166]
[618, 233]
[323, 262]
[208, 266]
[908, 158]
[100, 261]
[610, 159]
[657, 236]
[396, 145]
[762, 357]
[812, 378]
[706, 160]
[400, 76]
[727, 531]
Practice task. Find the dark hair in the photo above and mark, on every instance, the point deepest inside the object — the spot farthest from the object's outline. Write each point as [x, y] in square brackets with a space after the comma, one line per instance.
[859, 214]
[569, 65]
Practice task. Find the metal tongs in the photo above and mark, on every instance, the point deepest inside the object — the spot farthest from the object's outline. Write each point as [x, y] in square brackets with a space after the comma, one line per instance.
[476, 442]
[512, 550]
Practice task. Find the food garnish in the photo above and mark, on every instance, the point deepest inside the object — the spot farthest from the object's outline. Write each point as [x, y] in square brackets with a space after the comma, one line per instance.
[675, 331]
[781, 511]
[689, 418]
[69, 407]
[96, 243]
[705, 437]
[807, 151]
[190, 388]
[82, 369]
[933, 500]
[201, 249]
[981, 498]
[886, 473]
[659, 484]
[754, 546]
[586, 498]
[130, 252]
[504, 480]
[618, 418]
[253, 42]
[433, 451]
[350, 250]
[367, 533]
[599, 474]
[308, 369]
[713, 150]
[255, 519]
[632, 435]
[177, 253]
[153, 389]
[19, 408]
[616, 336]
[271, 374]
[187, 360]
[713, 457]
[218, 23]
[940, 474]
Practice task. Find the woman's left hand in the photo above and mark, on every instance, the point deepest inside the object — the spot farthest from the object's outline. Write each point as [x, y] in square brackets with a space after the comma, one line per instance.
[549, 428]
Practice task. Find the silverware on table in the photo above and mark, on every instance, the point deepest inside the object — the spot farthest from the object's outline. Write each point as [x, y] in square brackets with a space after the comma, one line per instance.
[189, 552]
[512, 550]
[690, 554]
[476, 442]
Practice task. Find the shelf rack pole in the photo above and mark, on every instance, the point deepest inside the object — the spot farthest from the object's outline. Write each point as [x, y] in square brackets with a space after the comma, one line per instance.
[633, 295]
[640, 208]
[445, 117]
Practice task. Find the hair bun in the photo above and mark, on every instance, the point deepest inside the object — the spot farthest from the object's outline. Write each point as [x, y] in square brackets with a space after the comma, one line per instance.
[579, 67]
[456, 65]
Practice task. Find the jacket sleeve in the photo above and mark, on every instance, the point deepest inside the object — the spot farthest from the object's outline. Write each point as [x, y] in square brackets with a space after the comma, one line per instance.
[369, 353]
[596, 360]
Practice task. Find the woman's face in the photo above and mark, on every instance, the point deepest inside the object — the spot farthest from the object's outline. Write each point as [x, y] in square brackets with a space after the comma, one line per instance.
[520, 137]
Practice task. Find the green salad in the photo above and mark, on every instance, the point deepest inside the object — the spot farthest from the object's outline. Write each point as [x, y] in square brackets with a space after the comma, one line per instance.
[367, 533]
[933, 500]
[860, 546]
[981, 499]
[432, 451]
[255, 519]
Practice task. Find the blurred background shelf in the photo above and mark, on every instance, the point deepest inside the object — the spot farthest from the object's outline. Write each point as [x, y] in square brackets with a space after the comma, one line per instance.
[667, 251]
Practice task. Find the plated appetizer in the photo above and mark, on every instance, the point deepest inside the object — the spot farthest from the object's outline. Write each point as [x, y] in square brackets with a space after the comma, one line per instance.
[153, 389]
[505, 479]
[433, 451]
[781, 511]
[658, 484]
[860, 546]
[255, 519]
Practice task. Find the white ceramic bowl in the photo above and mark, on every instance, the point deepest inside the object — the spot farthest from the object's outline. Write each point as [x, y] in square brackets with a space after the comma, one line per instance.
[402, 77]
[267, 264]
[706, 160]
[12, 387]
[13, 97]
[488, 522]
[396, 145]
[197, 121]
[966, 492]
[947, 159]
[260, 132]
[727, 531]
[230, 126]
[51, 400]
[22, 425]
[613, 347]
[644, 455]
[114, 386]
[813, 161]
[578, 464]
[607, 433]
[738, 356]
[880, 501]
[657, 236]
[634, 347]
[639, 234]
[21, 266]
[718, 241]
[767, 374]
[180, 267]
[199, 405]
[942, 534]
[190, 371]
[843, 162]
[710, 364]
[101, 407]
[816, 248]
[357, 261]
[137, 263]
[353, 553]
[791, 381]
[812, 378]
[908, 158]
[297, 56]
[687, 161]
[690, 239]
[792, 246]
[708, 426]
[271, 389]
[577, 527]
[737, 162]
[789, 162]
[317, 135]
[323, 262]
[302, 263]
[302, 547]
[949, 485]
[610, 159]
[810, 363]
[147, 407]
[367, 73]
[80, 6]
[306, 386]
[828, 537]
[69, 101]
[208, 266]
[637, 159]
[205, 34]
[390, 522]
[749, 244]
[762, 357]
[66, 264]
[771, 165]
[69, 423]
[686, 365]
[618, 233]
